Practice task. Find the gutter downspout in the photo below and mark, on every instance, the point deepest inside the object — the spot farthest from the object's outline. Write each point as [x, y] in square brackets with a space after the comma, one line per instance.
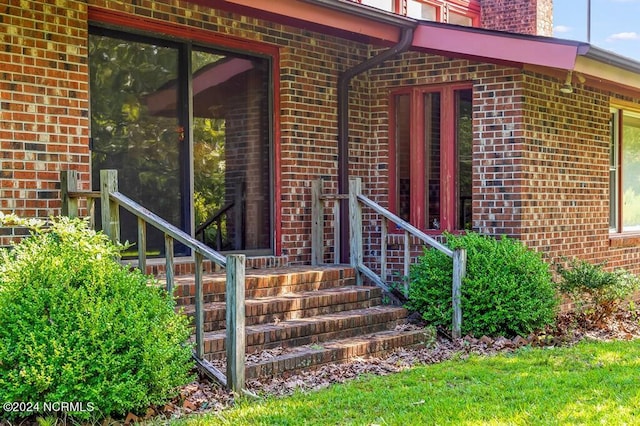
[343, 129]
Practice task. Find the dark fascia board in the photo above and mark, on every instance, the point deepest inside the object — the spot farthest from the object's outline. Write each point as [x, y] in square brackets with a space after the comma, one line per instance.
[611, 58]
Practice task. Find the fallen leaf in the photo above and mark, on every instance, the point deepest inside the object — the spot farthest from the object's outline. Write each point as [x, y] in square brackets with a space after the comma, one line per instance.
[131, 418]
[188, 405]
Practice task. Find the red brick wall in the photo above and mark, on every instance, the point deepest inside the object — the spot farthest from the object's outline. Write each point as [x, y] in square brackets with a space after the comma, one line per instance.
[541, 160]
[308, 108]
[44, 89]
[566, 170]
[44, 123]
[309, 66]
[498, 137]
[533, 17]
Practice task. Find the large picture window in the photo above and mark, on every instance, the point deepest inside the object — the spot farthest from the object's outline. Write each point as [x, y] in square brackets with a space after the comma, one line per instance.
[431, 151]
[624, 171]
[188, 128]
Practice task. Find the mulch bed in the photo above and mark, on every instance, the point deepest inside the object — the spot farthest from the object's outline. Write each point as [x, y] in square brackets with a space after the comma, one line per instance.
[203, 396]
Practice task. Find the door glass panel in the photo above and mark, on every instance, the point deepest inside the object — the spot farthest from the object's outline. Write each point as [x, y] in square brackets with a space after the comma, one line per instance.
[232, 170]
[403, 157]
[432, 137]
[464, 150]
[143, 144]
[139, 106]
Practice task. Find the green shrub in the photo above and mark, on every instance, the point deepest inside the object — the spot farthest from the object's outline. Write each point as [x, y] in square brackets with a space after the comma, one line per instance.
[508, 289]
[77, 326]
[596, 293]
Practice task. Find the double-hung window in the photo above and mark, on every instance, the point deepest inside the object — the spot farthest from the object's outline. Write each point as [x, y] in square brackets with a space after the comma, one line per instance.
[457, 12]
[430, 156]
[624, 171]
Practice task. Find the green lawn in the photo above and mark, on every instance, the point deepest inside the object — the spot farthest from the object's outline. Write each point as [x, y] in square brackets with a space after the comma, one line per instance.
[590, 383]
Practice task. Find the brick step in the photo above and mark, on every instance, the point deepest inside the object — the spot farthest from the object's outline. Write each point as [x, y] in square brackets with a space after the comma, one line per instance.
[305, 331]
[336, 351]
[265, 282]
[293, 306]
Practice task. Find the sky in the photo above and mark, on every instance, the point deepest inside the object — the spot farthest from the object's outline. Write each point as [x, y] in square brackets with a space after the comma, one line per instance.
[615, 24]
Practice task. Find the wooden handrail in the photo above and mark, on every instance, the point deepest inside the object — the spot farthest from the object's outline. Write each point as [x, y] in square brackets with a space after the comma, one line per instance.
[204, 225]
[84, 194]
[169, 229]
[406, 226]
[356, 202]
[112, 200]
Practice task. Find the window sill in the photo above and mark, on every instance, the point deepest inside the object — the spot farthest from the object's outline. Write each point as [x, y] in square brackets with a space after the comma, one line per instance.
[624, 240]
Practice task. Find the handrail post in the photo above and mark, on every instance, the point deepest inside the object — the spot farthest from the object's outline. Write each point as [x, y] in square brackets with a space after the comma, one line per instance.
[459, 271]
[238, 215]
[168, 259]
[236, 340]
[355, 226]
[110, 210]
[199, 308]
[337, 245]
[317, 223]
[68, 183]
[142, 245]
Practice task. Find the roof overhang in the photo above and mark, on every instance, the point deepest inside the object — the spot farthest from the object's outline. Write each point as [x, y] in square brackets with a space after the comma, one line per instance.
[609, 69]
[342, 18]
[496, 46]
[354, 21]
[548, 55]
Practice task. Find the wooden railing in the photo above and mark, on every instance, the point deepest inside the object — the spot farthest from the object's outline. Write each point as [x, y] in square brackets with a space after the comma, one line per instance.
[238, 207]
[356, 203]
[215, 218]
[111, 202]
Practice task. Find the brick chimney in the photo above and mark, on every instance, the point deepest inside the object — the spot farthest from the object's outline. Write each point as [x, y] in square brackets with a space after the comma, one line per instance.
[534, 17]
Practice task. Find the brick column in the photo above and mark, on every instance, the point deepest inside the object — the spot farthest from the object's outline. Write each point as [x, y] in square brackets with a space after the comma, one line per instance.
[534, 17]
[44, 105]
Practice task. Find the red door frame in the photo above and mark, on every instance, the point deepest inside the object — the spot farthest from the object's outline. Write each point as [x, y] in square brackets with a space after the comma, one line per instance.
[448, 152]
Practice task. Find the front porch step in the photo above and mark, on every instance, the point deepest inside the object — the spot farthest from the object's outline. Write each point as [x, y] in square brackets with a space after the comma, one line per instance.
[265, 282]
[291, 306]
[300, 317]
[314, 356]
[305, 331]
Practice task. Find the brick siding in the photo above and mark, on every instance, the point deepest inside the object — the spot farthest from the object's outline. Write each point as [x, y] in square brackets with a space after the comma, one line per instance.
[534, 17]
[43, 103]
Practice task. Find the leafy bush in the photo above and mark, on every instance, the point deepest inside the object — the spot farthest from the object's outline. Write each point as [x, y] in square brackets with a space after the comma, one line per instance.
[596, 293]
[508, 289]
[77, 326]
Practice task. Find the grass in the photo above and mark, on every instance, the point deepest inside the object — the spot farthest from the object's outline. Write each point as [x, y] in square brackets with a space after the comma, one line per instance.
[590, 383]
